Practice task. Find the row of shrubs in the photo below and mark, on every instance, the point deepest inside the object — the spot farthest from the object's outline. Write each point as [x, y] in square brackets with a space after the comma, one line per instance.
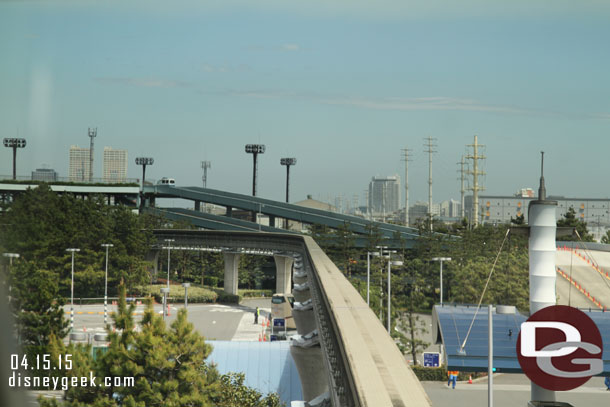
[255, 293]
[176, 293]
[200, 294]
[439, 374]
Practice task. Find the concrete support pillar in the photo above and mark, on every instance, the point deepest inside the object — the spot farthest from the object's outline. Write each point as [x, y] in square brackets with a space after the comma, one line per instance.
[229, 212]
[312, 370]
[231, 272]
[283, 274]
[198, 206]
[272, 221]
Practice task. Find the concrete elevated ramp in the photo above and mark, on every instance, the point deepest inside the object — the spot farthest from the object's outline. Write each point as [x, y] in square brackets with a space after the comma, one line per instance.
[361, 363]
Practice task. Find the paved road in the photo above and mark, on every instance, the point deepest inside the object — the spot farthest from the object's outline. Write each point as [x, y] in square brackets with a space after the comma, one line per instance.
[213, 321]
[511, 390]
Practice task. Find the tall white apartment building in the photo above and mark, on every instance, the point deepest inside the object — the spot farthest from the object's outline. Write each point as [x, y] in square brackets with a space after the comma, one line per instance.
[115, 165]
[79, 164]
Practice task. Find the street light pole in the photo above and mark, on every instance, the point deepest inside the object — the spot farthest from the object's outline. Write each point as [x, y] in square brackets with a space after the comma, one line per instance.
[441, 260]
[255, 150]
[169, 242]
[72, 250]
[143, 161]
[396, 263]
[368, 275]
[106, 245]
[14, 143]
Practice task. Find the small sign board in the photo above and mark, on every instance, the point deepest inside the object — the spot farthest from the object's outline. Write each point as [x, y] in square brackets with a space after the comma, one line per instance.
[279, 322]
[431, 359]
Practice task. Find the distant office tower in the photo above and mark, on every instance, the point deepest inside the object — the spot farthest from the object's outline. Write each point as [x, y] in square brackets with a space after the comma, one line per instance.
[384, 195]
[450, 209]
[79, 164]
[44, 174]
[115, 165]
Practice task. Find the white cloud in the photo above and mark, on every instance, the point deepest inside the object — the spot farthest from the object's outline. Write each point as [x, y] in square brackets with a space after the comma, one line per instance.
[290, 47]
[145, 82]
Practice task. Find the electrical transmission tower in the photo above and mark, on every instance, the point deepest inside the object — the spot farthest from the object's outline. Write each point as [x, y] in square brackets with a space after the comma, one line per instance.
[430, 150]
[475, 157]
[92, 135]
[406, 159]
[462, 190]
[204, 166]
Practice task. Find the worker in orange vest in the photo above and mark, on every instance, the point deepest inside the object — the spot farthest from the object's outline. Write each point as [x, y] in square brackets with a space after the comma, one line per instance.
[453, 375]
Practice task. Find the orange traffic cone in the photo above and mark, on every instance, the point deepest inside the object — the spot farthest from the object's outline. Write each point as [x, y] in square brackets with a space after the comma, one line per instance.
[264, 338]
[260, 339]
[268, 324]
[470, 379]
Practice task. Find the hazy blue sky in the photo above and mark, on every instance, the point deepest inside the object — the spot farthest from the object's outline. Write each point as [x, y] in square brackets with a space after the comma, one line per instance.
[343, 87]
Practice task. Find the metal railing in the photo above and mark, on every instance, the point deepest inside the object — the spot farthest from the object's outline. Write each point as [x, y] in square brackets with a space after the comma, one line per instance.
[71, 180]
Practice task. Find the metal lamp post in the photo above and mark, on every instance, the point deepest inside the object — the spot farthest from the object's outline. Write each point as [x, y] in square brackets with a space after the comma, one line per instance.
[14, 143]
[368, 275]
[441, 260]
[287, 162]
[169, 242]
[72, 250]
[390, 263]
[106, 245]
[143, 161]
[255, 150]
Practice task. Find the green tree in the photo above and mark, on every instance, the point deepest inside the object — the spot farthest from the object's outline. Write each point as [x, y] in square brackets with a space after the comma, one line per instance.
[36, 306]
[570, 220]
[168, 367]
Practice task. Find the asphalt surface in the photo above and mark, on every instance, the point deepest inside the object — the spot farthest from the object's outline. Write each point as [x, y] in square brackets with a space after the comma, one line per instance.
[510, 390]
[213, 321]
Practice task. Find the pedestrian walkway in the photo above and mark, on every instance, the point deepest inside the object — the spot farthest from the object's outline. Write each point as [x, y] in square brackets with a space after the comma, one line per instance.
[247, 330]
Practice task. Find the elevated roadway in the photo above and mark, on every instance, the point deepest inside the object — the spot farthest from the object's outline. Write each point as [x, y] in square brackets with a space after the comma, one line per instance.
[275, 209]
[360, 363]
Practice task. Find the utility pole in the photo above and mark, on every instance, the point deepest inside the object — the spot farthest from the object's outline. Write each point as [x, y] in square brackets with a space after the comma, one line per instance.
[475, 157]
[92, 135]
[430, 150]
[406, 159]
[204, 166]
[462, 190]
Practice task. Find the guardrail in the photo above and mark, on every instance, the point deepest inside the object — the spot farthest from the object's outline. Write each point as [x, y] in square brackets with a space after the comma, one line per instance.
[70, 180]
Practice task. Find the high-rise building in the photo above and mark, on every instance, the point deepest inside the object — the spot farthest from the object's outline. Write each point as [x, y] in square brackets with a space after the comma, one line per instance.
[79, 164]
[44, 174]
[115, 165]
[384, 195]
[450, 209]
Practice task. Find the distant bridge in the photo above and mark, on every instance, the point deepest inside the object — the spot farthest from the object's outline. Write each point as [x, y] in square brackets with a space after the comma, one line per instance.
[273, 209]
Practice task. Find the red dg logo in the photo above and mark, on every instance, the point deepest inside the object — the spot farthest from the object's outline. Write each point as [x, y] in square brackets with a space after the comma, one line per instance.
[560, 348]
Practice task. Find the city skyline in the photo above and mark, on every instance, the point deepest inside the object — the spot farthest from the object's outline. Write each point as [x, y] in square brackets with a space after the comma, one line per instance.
[192, 82]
